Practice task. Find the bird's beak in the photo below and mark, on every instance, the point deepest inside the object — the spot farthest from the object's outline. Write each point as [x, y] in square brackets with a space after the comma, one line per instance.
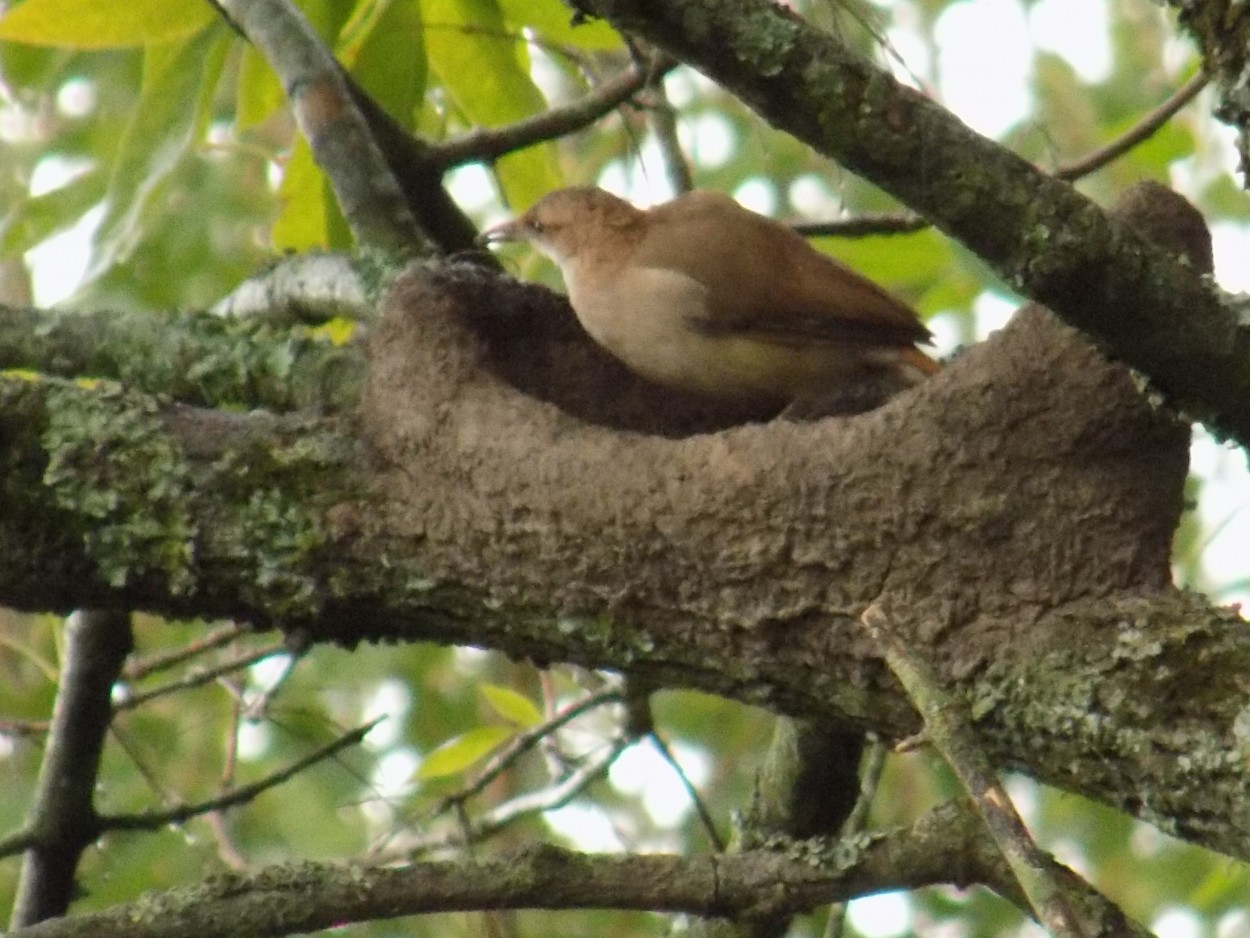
[507, 231]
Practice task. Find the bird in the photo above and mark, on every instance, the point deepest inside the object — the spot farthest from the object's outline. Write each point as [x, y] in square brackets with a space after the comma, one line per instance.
[707, 297]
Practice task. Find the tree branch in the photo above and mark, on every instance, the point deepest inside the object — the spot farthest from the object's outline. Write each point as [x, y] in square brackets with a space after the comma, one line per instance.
[63, 819]
[486, 144]
[195, 358]
[745, 580]
[949, 730]
[1043, 238]
[341, 142]
[155, 820]
[945, 846]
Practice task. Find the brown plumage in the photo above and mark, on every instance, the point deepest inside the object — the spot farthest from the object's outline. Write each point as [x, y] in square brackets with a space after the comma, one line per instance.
[704, 295]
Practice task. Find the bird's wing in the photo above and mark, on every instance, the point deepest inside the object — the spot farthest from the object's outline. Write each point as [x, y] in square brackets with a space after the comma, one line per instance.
[766, 280]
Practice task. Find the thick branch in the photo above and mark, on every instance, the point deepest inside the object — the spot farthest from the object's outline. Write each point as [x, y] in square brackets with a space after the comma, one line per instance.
[194, 358]
[734, 562]
[1043, 238]
[944, 846]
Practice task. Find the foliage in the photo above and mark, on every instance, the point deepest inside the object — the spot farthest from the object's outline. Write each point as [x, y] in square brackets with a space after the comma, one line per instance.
[150, 130]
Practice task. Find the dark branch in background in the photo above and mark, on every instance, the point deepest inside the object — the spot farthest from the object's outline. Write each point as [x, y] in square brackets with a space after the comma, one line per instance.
[864, 226]
[341, 141]
[140, 668]
[907, 222]
[198, 677]
[62, 820]
[155, 820]
[662, 118]
[705, 815]
[488, 144]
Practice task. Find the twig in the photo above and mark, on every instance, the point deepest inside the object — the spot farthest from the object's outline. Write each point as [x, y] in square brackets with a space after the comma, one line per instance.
[1139, 132]
[227, 851]
[857, 821]
[62, 817]
[258, 708]
[142, 667]
[705, 816]
[523, 743]
[663, 119]
[951, 734]
[198, 678]
[487, 144]
[508, 812]
[906, 222]
[20, 728]
[154, 820]
[864, 226]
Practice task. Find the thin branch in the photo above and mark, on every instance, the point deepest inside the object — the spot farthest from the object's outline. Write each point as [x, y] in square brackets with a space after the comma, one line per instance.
[62, 817]
[257, 709]
[1143, 130]
[857, 821]
[340, 137]
[155, 820]
[21, 728]
[487, 144]
[510, 811]
[864, 226]
[883, 223]
[142, 667]
[662, 117]
[950, 732]
[200, 677]
[227, 851]
[705, 816]
[523, 743]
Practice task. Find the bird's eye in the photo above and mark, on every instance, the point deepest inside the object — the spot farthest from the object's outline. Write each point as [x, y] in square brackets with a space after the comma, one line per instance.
[536, 227]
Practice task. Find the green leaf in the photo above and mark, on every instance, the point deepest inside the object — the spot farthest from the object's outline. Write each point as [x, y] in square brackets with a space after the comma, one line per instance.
[172, 113]
[458, 754]
[310, 216]
[552, 22]
[104, 24]
[258, 92]
[390, 62]
[898, 262]
[513, 707]
[484, 65]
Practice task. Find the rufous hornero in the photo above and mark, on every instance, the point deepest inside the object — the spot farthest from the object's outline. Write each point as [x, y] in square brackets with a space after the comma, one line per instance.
[703, 295]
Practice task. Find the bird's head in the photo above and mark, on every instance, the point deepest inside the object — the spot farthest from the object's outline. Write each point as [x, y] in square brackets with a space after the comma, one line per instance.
[569, 222]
